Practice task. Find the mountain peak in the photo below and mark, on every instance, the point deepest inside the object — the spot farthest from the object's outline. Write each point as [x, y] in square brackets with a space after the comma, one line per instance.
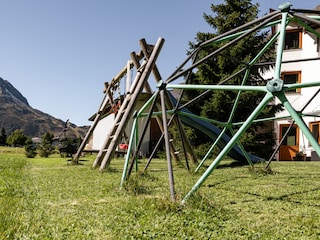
[16, 113]
[10, 92]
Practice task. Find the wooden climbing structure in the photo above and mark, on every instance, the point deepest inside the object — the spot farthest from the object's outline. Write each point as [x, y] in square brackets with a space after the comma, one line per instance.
[124, 105]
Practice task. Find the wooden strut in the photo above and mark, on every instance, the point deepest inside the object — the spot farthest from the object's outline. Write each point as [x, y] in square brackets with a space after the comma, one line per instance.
[146, 51]
[154, 105]
[188, 151]
[106, 152]
[115, 126]
[184, 138]
[106, 101]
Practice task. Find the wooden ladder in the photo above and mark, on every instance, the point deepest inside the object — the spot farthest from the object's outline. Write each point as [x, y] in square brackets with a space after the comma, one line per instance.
[115, 132]
[106, 153]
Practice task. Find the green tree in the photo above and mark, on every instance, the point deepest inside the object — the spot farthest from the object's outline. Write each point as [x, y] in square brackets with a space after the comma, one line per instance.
[68, 146]
[3, 137]
[218, 104]
[17, 138]
[45, 149]
[30, 148]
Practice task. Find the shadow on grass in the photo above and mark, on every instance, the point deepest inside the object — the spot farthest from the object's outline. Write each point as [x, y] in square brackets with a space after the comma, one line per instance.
[80, 160]
[286, 197]
[233, 164]
[225, 181]
[136, 183]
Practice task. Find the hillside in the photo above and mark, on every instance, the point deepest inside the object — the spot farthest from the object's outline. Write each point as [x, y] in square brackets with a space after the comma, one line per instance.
[16, 113]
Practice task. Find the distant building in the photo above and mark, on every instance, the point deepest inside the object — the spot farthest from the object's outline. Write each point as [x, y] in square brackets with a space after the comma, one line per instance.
[37, 140]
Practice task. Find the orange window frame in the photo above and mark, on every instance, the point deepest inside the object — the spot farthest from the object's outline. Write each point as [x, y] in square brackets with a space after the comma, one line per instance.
[295, 128]
[299, 31]
[298, 73]
[311, 126]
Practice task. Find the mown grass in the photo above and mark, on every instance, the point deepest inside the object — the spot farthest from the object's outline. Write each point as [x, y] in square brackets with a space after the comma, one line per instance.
[52, 199]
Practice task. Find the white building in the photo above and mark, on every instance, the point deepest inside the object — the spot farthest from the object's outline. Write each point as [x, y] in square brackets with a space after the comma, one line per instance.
[303, 46]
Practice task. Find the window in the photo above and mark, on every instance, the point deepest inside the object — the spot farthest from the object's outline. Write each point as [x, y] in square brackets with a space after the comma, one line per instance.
[293, 39]
[291, 77]
[315, 129]
[291, 139]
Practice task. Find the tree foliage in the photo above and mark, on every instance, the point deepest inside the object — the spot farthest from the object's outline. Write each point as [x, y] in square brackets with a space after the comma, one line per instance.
[30, 148]
[218, 104]
[45, 148]
[17, 138]
[68, 146]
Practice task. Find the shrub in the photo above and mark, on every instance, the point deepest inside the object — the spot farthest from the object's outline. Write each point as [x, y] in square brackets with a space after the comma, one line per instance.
[30, 149]
[45, 148]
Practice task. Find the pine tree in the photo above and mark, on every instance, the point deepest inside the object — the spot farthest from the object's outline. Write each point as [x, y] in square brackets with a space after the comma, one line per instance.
[68, 146]
[30, 148]
[218, 104]
[45, 148]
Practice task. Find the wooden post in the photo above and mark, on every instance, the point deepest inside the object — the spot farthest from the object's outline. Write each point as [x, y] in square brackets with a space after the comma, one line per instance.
[128, 79]
[136, 89]
[146, 51]
[167, 145]
[100, 112]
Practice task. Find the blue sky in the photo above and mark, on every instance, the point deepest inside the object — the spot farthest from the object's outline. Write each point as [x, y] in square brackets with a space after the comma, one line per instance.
[59, 53]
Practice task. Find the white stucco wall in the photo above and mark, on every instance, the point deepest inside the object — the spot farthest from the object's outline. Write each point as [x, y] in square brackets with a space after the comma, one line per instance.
[309, 73]
[104, 126]
[101, 130]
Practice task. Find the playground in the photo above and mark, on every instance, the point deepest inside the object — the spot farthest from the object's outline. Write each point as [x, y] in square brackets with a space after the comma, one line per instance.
[116, 185]
[121, 97]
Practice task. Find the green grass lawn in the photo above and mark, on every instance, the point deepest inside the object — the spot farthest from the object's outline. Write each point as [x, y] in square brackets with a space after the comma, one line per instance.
[52, 199]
